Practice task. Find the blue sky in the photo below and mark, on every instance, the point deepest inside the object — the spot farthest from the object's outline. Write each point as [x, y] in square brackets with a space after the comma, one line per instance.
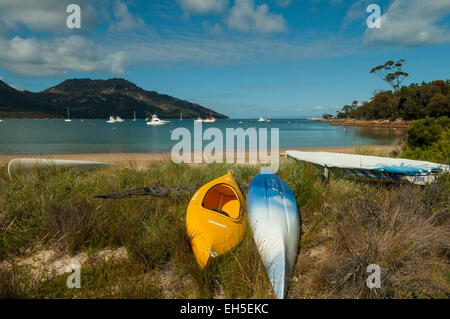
[243, 58]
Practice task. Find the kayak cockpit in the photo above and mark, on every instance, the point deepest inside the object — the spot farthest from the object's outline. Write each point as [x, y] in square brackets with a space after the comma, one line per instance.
[223, 199]
[216, 219]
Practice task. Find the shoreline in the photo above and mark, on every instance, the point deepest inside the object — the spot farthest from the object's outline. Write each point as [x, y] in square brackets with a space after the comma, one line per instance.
[142, 159]
[364, 123]
[380, 123]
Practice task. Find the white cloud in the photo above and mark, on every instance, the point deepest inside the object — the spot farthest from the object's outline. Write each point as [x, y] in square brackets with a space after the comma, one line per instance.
[410, 23]
[42, 15]
[202, 6]
[284, 3]
[125, 20]
[226, 50]
[58, 56]
[317, 107]
[212, 28]
[356, 12]
[245, 17]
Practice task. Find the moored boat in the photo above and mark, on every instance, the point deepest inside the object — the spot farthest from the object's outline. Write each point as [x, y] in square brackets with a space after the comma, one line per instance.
[155, 121]
[68, 117]
[209, 120]
[111, 120]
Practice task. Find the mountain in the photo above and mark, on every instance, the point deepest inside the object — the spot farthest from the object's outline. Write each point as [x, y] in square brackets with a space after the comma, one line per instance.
[14, 103]
[88, 98]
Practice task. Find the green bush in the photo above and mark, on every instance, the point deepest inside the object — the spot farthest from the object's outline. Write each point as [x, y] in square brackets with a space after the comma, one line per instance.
[428, 139]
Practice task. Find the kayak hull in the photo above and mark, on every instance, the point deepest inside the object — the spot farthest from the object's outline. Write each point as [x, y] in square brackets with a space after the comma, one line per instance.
[215, 219]
[275, 222]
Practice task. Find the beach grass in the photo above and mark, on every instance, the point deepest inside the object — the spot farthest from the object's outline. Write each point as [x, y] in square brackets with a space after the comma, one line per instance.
[138, 247]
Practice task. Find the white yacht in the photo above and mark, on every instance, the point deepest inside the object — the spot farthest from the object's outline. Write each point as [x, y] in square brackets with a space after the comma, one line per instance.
[68, 117]
[209, 120]
[155, 121]
[111, 120]
[199, 120]
[261, 119]
[119, 120]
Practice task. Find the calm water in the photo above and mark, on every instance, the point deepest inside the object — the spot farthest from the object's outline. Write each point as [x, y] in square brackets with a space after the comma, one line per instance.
[96, 136]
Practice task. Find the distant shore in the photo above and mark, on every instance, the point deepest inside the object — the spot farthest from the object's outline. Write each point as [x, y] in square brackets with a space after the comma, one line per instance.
[144, 159]
[375, 123]
[364, 123]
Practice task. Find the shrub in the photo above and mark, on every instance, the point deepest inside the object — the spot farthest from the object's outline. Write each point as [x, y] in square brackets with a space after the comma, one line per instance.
[428, 139]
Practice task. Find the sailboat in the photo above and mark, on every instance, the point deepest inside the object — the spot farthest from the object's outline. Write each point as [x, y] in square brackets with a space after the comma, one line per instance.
[134, 116]
[111, 120]
[181, 116]
[68, 117]
[119, 120]
[261, 119]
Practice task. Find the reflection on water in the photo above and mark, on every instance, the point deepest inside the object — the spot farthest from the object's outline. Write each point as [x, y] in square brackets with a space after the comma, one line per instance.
[97, 136]
[380, 133]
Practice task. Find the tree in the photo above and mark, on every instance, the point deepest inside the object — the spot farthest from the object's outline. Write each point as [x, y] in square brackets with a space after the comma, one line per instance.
[392, 73]
[327, 116]
[348, 109]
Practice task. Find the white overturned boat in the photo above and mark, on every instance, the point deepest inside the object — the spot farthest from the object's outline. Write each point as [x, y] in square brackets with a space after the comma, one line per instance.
[19, 165]
[374, 167]
[155, 121]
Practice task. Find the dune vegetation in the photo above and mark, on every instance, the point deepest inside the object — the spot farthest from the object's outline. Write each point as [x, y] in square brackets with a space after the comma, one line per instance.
[138, 248]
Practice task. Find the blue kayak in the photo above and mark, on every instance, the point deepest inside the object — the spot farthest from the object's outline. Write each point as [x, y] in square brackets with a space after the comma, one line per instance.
[275, 222]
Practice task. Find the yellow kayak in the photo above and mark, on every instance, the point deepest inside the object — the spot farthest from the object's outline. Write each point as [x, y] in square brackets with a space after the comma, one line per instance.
[215, 219]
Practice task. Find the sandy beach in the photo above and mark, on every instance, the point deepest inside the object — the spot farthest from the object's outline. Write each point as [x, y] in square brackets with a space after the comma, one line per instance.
[144, 159]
